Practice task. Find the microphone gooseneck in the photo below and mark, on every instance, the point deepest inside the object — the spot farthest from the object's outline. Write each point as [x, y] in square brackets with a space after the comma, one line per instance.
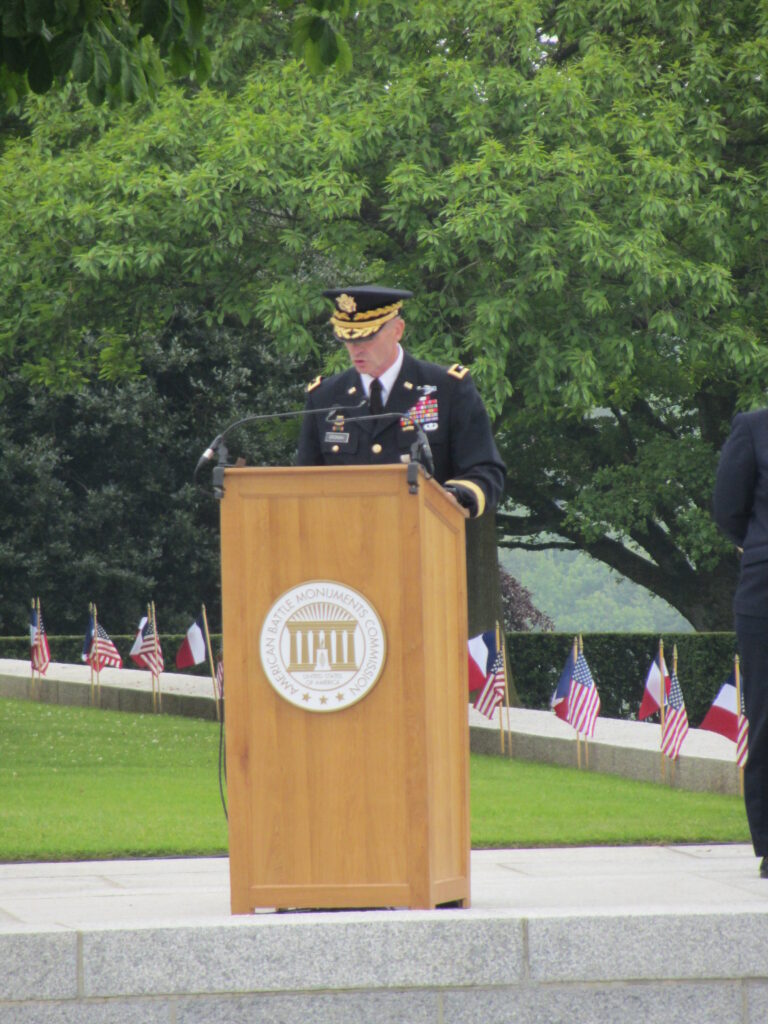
[217, 448]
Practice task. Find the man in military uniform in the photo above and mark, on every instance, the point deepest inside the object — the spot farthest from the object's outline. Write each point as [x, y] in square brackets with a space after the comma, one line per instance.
[444, 403]
[741, 511]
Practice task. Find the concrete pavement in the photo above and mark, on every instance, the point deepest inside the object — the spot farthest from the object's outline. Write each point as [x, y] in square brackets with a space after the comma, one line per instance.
[538, 883]
[655, 935]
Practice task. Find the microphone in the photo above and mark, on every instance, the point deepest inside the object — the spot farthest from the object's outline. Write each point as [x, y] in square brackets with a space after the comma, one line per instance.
[208, 455]
[217, 447]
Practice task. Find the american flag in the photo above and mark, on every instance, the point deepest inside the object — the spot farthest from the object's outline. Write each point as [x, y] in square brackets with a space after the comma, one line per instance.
[144, 652]
[39, 651]
[584, 700]
[675, 720]
[492, 693]
[99, 651]
[742, 735]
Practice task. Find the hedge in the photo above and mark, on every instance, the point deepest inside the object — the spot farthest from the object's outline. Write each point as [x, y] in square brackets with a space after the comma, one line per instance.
[619, 663]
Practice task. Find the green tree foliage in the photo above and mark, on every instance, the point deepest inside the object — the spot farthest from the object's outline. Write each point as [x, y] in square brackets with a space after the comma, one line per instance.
[581, 595]
[118, 49]
[647, 326]
[97, 500]
[115, 48]
[573, 190]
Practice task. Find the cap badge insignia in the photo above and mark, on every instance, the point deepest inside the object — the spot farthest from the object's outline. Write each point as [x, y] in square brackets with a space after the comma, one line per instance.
[346, 303]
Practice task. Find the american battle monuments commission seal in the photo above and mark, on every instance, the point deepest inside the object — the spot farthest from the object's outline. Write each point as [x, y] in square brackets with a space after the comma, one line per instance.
[322, 646]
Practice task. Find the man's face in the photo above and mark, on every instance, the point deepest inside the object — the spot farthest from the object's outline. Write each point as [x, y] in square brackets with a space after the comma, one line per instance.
[376, 354]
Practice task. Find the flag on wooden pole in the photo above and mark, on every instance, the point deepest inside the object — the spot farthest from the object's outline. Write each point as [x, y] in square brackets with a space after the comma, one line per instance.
[675, 727]
[214, 671]
[742, 725]
[656, 681]
[193, 647]
[722, 716]
[39, 651]
[99, 650]
[146, 651]
[583, 700]
[559, 700]
[486, 660]
[742, 737]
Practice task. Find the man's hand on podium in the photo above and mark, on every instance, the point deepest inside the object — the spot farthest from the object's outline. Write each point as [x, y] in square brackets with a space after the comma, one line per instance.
[451, 492]
[463, 497]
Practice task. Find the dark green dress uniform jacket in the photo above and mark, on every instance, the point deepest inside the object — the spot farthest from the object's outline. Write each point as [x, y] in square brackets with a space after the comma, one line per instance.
[446, 404]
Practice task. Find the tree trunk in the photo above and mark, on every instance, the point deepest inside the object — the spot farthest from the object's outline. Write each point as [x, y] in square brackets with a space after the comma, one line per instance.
[483, 585]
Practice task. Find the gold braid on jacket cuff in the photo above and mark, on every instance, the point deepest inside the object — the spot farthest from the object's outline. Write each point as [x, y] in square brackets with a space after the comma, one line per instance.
[471, 486]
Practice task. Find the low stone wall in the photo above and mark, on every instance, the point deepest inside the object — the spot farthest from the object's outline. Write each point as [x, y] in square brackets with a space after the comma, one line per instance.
[119, 690]
[701, 774]
[440, 967]
[707, 762]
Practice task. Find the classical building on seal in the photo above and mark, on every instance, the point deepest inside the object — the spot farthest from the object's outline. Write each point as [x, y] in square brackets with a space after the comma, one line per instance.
[322, 646]
[322, 637]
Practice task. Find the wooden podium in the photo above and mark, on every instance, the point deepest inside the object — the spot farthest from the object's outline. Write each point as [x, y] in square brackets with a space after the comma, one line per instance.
[335, 799]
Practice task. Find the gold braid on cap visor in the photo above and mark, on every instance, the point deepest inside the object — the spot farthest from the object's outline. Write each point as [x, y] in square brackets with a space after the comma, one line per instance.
[363, 325]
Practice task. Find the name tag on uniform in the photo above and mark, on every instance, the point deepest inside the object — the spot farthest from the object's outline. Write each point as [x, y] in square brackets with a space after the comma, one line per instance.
[336, 436]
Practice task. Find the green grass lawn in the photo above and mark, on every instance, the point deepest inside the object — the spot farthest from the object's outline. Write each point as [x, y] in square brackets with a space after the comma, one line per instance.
[519, 803]
[80, 783]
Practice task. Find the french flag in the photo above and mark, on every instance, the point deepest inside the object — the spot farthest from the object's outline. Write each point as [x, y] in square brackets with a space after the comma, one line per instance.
[192, 650]
[723, 717]
[482, 651]
[559, 702]
[653, 681]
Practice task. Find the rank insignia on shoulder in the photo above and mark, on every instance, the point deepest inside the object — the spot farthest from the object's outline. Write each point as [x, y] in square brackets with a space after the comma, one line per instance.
[315, 383]
[458, 371]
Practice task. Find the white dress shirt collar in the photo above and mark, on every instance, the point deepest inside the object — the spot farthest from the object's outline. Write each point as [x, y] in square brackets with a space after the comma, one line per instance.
[387, 378]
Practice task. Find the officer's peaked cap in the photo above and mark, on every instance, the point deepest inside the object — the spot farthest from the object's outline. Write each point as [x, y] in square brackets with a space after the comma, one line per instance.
[362, 310]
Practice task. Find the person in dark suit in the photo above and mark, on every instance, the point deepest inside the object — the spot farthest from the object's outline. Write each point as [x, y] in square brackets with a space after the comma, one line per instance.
[741, 512]
[443, 402]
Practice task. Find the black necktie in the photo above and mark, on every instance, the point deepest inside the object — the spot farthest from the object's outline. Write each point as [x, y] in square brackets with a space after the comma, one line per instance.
[374, 397]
